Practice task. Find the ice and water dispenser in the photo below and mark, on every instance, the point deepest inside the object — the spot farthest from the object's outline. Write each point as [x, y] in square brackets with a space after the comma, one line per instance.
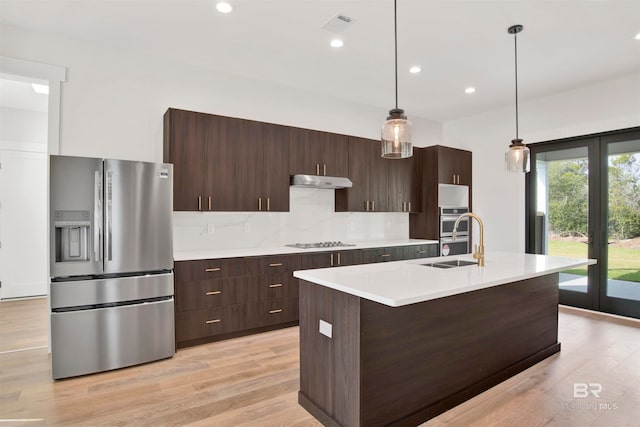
[72, 236]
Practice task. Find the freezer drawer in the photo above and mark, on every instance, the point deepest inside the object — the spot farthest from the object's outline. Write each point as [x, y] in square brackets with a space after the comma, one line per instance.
[88, 341]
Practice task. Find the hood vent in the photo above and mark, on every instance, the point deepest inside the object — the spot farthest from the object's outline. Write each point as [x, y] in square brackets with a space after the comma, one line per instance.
[317, 181]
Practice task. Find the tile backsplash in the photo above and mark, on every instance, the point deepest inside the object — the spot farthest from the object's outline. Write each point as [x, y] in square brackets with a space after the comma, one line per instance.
[312, 218]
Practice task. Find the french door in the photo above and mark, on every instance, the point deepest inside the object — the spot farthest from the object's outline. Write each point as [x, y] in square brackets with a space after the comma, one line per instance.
[583, 201]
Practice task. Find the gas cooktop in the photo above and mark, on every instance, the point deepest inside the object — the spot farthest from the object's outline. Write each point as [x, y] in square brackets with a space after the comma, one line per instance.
[318, 245]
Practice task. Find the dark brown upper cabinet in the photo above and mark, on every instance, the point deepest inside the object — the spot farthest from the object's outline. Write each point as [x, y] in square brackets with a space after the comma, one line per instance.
[437, 165]
[379, 185]
[226, 164]
[313, 152]
[454, 165]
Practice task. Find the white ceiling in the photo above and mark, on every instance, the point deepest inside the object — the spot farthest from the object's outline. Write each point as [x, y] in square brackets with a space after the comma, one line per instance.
[565, 44]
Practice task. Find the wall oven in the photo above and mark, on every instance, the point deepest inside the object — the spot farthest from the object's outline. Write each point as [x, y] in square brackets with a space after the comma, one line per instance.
[448, 217]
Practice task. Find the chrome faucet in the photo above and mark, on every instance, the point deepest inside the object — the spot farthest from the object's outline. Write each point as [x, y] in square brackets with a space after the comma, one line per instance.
[478, 250]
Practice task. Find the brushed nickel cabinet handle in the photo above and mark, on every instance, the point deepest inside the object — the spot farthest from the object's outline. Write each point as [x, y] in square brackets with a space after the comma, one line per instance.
[385, 255]
[331, 260]
[275, 264]
[211, 270]
[409, 206]
[213, 293]
[268, 204]
[317, 168]
[259, 203]
[275, 285]
[338, 258]
[275, 311]
[324, 170]
[422, 252]
[366, 205]
[209, 202]
[373, 205]
[199, 203]
[208, 322]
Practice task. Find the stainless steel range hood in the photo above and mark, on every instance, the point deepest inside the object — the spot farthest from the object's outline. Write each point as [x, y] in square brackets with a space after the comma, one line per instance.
[317, 181]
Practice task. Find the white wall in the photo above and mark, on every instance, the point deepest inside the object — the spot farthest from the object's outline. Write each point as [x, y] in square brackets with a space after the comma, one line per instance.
[498, 197]
[113, 102]
[23, 203]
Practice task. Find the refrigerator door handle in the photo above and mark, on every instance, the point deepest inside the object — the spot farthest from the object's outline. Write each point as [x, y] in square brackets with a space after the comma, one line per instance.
[108, 216]
[97, 216]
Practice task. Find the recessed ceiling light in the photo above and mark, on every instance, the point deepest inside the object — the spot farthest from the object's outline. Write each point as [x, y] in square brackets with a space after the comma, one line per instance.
[44, 89]
[336, 43]
[224, 7]
[638, 36]
[470, 90]
[415, 69]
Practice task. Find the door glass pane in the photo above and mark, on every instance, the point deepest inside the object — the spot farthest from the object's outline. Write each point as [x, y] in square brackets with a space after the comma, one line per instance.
[623, 249]
[562, 210]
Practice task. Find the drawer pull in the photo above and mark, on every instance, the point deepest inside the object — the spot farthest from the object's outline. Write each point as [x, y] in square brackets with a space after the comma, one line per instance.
[275, 264]
[276, 285]
[275, 311]
[208, 322]
[422, 252]
[385, 255]
[213, 292]
[211, 270]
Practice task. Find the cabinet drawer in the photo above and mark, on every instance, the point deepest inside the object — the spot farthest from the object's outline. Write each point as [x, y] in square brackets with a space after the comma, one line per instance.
[211, 293]
[275, 286]
[209, 269]
[208, 322]
[272, 312]
[395, 253]
[421, 251]
[273, 264]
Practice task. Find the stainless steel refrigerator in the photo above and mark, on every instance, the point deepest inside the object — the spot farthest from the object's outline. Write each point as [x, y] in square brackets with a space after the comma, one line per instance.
[111, 264]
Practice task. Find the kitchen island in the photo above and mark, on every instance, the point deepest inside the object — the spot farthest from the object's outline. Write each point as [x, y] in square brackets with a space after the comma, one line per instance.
[399, 343]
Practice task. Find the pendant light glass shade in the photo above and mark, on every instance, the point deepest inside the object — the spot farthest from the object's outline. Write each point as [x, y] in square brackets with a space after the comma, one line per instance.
[516, 158]
[396, 131]
[396, 136]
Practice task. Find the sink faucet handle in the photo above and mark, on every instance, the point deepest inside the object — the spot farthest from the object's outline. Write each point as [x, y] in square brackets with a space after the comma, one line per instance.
[476, 254]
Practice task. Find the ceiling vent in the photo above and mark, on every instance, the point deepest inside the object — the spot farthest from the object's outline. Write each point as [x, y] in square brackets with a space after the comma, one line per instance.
[338, 23]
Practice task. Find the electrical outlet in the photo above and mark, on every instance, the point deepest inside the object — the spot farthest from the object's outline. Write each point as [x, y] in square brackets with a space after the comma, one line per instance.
[211, 228]
[326, 328]
[247, 227]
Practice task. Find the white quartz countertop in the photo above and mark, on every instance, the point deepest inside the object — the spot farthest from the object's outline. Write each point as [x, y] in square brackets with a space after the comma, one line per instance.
[401, 283]
[278, 250]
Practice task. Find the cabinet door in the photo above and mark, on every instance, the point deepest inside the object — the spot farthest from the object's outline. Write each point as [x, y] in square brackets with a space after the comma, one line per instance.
[358, 197]
[222, 163]
[350, 257]
[402, 197]
[379, 179]
[314, 152]
[304, 152]
[185, 135]
[334, 154]
[274, 175]
[464, 166]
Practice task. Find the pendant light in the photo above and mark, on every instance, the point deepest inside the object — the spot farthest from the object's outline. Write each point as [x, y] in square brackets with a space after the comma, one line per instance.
[517, 155]
[396, 131]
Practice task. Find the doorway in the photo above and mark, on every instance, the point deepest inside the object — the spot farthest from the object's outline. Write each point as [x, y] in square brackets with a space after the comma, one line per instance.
[583, 201]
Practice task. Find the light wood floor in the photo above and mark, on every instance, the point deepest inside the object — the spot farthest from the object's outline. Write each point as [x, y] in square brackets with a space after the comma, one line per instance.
[253, 381]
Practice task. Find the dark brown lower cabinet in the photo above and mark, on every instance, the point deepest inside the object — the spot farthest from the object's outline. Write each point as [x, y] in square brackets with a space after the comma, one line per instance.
[220, 298]
[400, 366]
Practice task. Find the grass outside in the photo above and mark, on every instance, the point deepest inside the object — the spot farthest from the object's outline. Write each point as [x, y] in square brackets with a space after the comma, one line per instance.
[624, 263]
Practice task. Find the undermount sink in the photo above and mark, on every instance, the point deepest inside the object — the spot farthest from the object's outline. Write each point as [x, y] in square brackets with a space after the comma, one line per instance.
[450, 264]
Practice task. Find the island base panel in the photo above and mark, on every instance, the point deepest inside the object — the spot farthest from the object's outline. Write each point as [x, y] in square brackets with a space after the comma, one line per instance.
[408, 364]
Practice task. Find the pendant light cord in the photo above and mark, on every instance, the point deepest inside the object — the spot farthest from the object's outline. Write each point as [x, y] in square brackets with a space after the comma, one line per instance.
[395, 31]
[515, 44]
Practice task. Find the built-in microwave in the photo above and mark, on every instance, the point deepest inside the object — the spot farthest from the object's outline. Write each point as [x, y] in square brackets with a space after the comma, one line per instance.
[448, 217]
